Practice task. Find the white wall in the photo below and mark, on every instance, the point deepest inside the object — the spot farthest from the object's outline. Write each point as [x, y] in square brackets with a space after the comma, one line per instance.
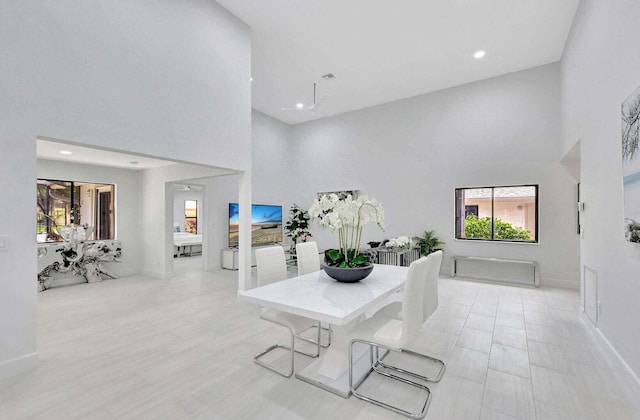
[275, 165]
[168, 79]
[413, 153]
[600, 68]
[219, 192]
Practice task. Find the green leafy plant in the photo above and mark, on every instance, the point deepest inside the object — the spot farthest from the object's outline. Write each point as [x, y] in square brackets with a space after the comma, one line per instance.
[428, 242]
[297, 226]
[480, 228]
[353, 259]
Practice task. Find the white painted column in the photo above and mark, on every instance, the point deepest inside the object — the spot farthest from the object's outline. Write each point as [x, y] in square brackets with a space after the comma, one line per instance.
[244, 239]
[18, 311]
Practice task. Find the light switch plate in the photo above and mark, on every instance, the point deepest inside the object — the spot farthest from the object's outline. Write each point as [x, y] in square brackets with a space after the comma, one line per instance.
[4, 243]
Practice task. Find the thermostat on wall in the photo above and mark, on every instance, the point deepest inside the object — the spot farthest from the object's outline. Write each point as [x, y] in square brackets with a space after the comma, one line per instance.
[4, 243]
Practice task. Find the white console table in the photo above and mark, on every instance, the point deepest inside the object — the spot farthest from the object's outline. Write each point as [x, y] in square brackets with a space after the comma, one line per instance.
[402, 257]
[532, 264]
[229, 258]
[62, 261]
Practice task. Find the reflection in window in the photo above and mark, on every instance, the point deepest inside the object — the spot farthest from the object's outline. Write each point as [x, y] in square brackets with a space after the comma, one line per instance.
[497, 213]
[61, 203]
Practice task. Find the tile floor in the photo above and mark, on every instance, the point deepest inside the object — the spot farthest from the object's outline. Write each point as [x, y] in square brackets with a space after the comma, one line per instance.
[144, 348]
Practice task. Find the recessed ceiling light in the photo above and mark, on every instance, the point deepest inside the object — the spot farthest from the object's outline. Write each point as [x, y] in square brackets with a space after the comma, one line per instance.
[251, 79]
[479, 54]
[299, 105]
[65, 152]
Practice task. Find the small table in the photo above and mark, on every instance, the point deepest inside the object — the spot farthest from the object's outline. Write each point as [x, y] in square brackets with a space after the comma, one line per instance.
[343, 305]
[403, 257]
[532, 264]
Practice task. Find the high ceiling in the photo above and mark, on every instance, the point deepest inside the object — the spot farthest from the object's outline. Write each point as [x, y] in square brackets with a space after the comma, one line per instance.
[382, 51]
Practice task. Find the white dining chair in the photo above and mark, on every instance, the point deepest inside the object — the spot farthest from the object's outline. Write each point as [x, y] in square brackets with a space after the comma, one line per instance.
[307, 257]
[430, 288]
[392, 307]
[272, 267]
[391, 334]
[429, 305]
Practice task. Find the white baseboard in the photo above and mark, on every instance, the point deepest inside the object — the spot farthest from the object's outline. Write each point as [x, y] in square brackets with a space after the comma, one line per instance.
[18, 365]
[544, 282]
[559, 283]
[615, 352]
[492, 280]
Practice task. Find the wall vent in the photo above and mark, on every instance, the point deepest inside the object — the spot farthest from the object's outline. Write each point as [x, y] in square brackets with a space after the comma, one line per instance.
[591, 294]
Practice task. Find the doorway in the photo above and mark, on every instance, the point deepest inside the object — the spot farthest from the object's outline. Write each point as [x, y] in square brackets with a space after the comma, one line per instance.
[104, 216]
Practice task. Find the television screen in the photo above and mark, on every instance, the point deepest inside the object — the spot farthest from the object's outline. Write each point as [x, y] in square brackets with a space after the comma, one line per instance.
[266, 224]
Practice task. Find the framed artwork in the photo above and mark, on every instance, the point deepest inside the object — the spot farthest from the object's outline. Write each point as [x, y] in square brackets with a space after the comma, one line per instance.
[631, 165]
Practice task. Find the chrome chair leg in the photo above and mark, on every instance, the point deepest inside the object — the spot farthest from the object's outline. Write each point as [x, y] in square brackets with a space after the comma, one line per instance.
[291, 349]
[374, 355]
[313, 340]
[379, 363]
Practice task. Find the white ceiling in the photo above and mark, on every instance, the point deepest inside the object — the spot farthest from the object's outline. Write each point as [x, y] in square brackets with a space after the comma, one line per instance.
[382, 51]
[50, 149]
[47, 149]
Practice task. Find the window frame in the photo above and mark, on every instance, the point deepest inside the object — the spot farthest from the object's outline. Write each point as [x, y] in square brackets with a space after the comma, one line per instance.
[187, 217]
[459, 223]
[74, 215]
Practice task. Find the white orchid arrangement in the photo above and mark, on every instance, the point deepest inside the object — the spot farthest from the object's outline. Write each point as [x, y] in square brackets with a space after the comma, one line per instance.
[401, 242]
[347, 217]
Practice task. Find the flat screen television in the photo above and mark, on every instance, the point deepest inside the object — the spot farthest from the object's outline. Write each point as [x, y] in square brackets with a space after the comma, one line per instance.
[266, 224]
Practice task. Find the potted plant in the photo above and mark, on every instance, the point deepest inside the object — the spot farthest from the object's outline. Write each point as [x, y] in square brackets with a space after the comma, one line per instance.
[297, 226]
[347, 217]
[428, 243]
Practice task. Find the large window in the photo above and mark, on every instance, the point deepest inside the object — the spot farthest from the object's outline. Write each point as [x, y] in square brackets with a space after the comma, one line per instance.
[61, 203]
[497, 213]
[191, 216]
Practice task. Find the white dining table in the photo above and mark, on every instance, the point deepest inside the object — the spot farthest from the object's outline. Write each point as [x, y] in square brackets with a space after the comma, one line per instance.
[342, 305]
